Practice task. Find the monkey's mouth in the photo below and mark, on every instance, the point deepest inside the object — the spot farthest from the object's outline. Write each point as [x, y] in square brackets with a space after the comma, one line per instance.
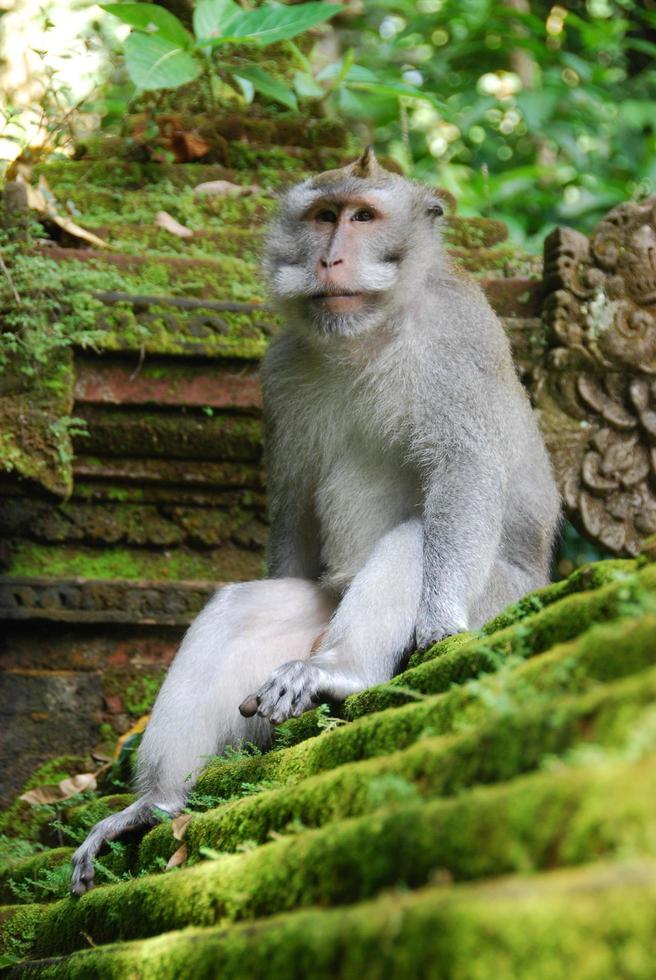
[335, 295]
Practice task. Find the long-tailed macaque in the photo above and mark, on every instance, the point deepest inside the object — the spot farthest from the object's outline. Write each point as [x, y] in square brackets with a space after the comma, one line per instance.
[411, 496]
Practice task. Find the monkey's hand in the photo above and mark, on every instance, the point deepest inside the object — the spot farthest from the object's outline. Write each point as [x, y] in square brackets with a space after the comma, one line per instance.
[428, 632]
[292, 689]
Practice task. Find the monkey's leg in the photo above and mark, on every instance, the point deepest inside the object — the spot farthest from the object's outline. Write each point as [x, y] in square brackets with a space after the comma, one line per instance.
[368, 635]
[507, 583]
[242, 634]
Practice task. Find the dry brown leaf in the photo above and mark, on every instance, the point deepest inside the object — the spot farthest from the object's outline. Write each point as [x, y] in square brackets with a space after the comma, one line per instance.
[177, 858]
[78, 784]
[189, 146]
[223, 188]
[179, 825]
[166, 221]
[42, 794]
[42, 200]
[63, 790]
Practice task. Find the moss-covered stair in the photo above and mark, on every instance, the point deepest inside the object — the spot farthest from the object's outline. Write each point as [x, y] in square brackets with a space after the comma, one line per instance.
[491, 811]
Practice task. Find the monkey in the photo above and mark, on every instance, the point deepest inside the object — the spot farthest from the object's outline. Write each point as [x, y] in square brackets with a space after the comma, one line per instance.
[411, 496]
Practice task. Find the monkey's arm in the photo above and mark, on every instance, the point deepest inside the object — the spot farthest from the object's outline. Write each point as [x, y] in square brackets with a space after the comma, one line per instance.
[462, 521]
[371, 629]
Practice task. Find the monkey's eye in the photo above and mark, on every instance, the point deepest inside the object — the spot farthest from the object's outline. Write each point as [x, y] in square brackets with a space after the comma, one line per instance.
[326, 215]
[363, 215]
[435, 210]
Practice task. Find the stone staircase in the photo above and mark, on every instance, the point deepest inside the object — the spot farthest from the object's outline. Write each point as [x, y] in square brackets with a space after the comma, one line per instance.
[489, 810]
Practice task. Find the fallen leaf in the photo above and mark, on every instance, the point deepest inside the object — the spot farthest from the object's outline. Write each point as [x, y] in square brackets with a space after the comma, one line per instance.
[63, 790]
[179, 825]
[223, 188]
[188, 146]
[42, 200]
[166, 221]
[42, 794]
[78, 784]
[177, 858]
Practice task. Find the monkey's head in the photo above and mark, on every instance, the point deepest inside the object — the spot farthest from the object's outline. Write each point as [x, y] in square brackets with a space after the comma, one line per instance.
[349, 246]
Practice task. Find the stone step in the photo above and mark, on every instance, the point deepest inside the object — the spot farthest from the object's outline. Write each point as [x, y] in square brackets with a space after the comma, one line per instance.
[173, 435]
[257, 884]
[63, 562]
[604, 914]
[116, 381]
[115, 600]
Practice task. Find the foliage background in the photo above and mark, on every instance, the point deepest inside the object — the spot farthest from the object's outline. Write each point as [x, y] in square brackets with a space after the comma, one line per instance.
[539, 114]
[547, 113]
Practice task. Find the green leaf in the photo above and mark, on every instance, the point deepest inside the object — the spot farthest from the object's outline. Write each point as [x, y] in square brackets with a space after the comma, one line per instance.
[151, 19]
[306, 86]
[154, 62]
[267, 24]
[299, 56]
[212, 17]
[353, 73]
[393, 89]
[268, 85]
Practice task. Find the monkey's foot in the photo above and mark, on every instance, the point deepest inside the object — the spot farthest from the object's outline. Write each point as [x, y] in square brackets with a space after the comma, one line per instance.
[292, 689]
[138, 814]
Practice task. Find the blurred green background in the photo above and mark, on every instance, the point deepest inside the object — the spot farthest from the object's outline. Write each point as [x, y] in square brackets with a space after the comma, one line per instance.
[536, 113]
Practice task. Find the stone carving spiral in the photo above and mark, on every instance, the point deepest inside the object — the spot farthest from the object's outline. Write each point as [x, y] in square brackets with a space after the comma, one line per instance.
[595, 388]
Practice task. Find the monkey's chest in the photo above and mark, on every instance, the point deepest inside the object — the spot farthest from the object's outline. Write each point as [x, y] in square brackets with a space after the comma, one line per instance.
[362, 492]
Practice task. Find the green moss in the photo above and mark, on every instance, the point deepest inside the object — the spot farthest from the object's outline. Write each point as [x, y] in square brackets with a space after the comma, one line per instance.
[589, 923]
[112, 524]
[567, 816]
[227, 563]
[17, 930]
[24, 821]
[496, 706]
[174, 435]
[585, 579]
[40, 877]
[556, 622]
[140, 694]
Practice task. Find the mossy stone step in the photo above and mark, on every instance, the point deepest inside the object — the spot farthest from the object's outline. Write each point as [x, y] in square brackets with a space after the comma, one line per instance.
[208, 893]
[116, 174]
[592, 922]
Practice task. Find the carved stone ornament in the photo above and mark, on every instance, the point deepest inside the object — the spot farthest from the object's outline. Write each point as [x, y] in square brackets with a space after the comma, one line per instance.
[595, 389]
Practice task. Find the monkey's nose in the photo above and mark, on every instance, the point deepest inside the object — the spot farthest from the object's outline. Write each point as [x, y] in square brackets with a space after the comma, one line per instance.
[249, 706]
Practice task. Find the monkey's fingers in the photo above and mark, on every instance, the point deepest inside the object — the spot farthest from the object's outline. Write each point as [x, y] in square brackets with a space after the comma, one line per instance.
[249, 706]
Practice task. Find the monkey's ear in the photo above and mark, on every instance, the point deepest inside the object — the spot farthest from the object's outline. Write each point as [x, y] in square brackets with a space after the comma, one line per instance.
[367, 164]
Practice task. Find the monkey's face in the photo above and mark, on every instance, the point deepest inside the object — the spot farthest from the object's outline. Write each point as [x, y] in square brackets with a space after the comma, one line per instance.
[337, 257]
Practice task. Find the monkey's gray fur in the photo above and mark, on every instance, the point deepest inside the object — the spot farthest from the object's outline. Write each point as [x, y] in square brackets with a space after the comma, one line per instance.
[411, 496]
